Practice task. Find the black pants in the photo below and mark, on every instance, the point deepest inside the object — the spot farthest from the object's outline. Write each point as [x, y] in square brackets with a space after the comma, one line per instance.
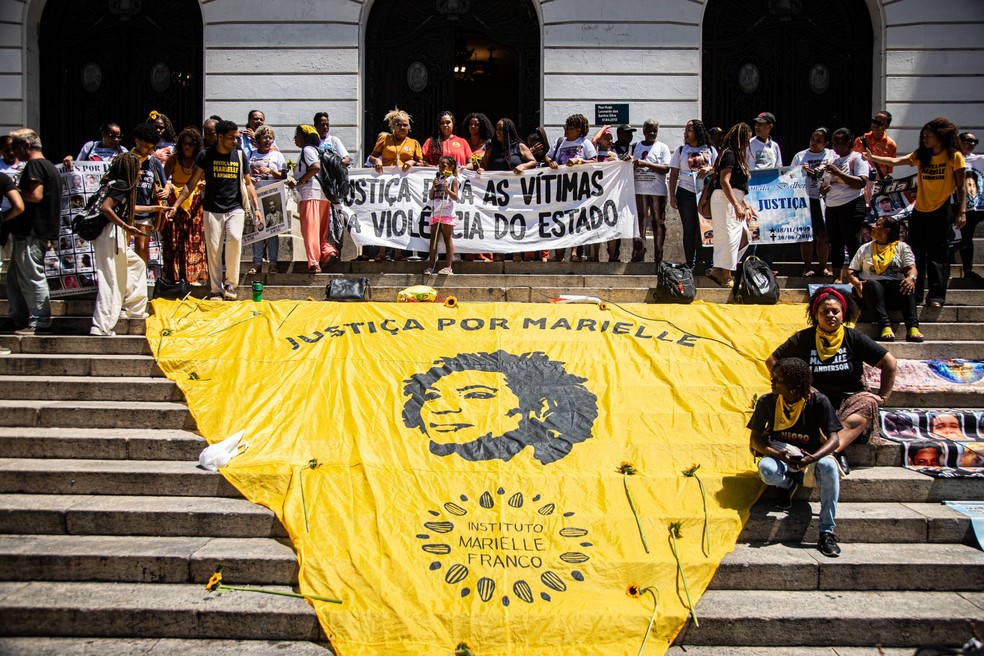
[929, 233]
[882, 294]
[967, 240]
[693, 249]
[843, 229]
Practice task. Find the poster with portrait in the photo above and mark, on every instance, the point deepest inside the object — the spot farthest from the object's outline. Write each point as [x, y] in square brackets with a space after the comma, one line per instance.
[940, 443]
[781, 205]
[69, 263]
[974, 180]
[892, 197]
[273, 206]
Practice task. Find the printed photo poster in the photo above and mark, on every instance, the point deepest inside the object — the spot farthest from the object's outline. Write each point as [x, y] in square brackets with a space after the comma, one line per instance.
[974, 180]
[497, 211]
[781, 205]
[273, 205]
[940, 443]
[69, 264]
[893, 197]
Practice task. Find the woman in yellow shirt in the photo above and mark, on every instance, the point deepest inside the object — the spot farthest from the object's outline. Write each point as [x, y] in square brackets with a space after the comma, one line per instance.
[941, 172]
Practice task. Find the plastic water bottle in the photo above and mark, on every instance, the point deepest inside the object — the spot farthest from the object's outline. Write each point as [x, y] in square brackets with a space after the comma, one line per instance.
[257, 291]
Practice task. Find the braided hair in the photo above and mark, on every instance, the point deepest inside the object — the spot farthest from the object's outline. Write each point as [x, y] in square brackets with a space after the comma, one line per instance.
[123, 175]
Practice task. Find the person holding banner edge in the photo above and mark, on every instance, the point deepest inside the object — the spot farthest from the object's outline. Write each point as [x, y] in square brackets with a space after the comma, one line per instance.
[695, 158]
[941, 166]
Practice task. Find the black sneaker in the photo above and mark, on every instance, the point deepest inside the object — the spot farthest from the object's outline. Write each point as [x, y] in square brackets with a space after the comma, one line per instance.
[827, 545]
[786, 501]
[842, 461]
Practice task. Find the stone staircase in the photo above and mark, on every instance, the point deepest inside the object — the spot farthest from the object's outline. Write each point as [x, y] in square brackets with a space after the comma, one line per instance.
[109, 531]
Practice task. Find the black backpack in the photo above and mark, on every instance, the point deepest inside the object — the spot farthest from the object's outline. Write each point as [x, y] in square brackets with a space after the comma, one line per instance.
[333, 176]
[90, 222]
[756, 284]
[674, 283]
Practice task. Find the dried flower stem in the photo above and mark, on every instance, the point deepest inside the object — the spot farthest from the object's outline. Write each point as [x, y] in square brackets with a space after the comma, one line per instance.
[674, 532]
[221, 587]
[642, 534]
[652, 620]
[311, 464]
[705, 538]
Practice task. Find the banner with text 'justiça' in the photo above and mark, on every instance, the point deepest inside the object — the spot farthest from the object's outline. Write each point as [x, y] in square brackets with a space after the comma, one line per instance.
[456, 473]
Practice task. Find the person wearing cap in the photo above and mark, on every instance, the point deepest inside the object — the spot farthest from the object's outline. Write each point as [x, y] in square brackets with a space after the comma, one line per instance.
[623, 139]
[879, 143]
[763, 151]
[716, 135]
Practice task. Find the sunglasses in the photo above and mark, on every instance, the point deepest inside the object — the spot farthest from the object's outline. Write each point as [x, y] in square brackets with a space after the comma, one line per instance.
[972, 142]
[115, 136]
[875, 121]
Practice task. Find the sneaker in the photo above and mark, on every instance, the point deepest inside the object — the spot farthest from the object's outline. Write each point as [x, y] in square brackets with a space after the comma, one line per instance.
[786, 501]
[887, 335]
[4, 350]
[216, 297]
[913, 335]
[446, 271]
[827, 545]
[842, 461]
[33, 330]
[429, 271]
[229, 292]
[96, 332]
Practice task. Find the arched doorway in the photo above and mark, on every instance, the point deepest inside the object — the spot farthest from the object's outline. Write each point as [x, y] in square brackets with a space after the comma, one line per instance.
[462, 55]
[116, 60]
[809, 63]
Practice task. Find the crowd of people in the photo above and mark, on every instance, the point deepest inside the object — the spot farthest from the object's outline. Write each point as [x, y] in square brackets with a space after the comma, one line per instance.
[195, 187]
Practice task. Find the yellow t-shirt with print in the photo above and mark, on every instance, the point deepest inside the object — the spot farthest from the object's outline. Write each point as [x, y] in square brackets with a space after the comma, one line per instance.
[936, 180]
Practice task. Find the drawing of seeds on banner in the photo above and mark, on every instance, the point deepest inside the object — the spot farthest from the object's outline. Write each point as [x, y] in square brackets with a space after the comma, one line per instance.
[516, 500]
[552, 581]
[439, 527]
[456, 574]
[439, 549]
[574, 557]
[547, 509]
[523, 591]
[569, 532]
[486, 500]
[486, 588]
[455, 509]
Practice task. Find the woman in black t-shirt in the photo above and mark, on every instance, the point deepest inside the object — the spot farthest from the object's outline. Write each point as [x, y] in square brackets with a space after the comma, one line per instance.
[837, 355]
[729, 211]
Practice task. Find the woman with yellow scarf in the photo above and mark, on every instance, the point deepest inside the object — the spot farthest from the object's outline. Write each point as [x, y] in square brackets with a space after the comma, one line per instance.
[837, 355]
[883, 274]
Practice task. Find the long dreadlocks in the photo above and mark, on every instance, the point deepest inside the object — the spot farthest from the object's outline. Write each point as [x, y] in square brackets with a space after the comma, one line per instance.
[123, 174]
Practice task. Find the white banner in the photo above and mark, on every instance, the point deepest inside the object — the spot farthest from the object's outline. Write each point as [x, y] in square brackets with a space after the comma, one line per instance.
[497, 212]
[273, 203]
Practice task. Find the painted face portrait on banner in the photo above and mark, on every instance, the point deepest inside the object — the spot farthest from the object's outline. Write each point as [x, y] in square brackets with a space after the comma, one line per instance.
[491, 406]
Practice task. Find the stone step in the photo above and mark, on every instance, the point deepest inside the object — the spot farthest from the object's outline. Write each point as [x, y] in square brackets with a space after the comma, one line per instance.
[255, 561]
[877, 566]
[698, 650]
[822, 618]
[77, 344]
[859, 522]
[151, 611]
[102, 443]
[96, 414]
[142, 559]
[72, 364]
[71, 514]
[135, 477]
[89, 388]
[42, 646]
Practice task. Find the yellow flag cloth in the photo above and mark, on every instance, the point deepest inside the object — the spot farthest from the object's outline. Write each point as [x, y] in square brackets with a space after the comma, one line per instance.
[450, 473]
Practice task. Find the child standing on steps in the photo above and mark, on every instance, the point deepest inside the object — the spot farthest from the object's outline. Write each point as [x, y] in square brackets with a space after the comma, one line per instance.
[443, 194]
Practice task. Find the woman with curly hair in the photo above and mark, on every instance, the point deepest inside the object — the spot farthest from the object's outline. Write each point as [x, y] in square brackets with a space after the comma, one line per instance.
[395, 148]
[574, 148]
[166, 133]
[445, 142]
[941, 167]
[121, 282]
[695, 157]
[479, 131]
[837, 355]
[183, 236]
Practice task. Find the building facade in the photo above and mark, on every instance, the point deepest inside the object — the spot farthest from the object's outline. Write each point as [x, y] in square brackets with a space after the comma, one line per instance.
[66, 66]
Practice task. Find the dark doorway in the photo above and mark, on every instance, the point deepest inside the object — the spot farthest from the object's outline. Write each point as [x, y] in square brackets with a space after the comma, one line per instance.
[809, 63]
[463, 55]
[109, 60]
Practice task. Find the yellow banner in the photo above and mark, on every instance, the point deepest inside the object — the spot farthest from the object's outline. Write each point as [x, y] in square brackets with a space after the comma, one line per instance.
[456, 474]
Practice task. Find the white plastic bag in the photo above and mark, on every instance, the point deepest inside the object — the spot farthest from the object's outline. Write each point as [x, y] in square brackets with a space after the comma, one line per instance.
[219, 454]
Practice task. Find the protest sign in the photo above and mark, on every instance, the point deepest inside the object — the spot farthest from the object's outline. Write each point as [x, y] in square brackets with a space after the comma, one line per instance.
[497, 211]
[273, 205]
[69, 264]
[940, 443]
[975, 185]
[781, 205]
[892, 197]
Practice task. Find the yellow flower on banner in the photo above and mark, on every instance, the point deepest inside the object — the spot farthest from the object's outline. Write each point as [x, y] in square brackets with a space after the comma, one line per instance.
[634, 591]
[451, 302]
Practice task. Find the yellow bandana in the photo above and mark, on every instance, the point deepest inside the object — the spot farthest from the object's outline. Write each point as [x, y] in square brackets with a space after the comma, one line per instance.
[829, 343]
[787, 414]
[882, 256]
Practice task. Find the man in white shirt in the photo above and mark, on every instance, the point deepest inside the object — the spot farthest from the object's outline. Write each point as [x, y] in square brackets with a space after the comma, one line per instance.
[763, 152]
